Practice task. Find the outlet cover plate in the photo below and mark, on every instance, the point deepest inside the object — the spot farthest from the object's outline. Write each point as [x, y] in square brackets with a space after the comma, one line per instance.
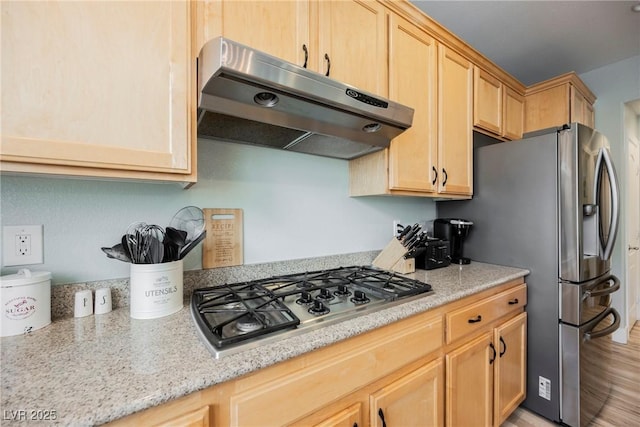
[16, 253]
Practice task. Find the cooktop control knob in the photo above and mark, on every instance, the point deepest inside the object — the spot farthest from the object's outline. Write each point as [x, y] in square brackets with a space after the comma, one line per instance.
[318, 308]
[305, 298]
[325, 294]
[342, 291]
[360, 297]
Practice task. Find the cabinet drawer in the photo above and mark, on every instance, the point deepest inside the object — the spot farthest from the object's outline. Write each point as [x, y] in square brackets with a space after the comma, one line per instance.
[476, 316]
[287, 398]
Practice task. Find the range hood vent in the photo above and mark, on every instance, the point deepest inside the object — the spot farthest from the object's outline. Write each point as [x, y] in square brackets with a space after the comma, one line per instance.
[250, 97]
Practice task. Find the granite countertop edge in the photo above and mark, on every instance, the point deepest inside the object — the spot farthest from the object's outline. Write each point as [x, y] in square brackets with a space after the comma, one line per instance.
[101, 368]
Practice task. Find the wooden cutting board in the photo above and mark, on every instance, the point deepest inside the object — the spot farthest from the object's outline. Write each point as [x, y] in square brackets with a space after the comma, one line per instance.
[223, 243]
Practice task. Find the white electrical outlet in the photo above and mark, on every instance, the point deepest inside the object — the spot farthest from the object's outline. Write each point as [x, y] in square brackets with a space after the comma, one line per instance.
[22, 245]
[395, 227]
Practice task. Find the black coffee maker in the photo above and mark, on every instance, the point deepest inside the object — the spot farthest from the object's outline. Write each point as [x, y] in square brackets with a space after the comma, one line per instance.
[455, 231]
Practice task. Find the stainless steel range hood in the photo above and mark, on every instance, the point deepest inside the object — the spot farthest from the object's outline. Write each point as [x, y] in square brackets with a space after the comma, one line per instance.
[250, 97]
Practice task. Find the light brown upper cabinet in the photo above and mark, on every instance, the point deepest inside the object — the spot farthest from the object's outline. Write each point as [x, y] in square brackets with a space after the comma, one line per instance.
[352, 41]
[412, 81]
[512, 114]
[455, 123]
[558, 101]
[581, 108]
[346, 39]
[433, 158]
[100, 89]
[498, 110]
[279, 28]
[487, 101]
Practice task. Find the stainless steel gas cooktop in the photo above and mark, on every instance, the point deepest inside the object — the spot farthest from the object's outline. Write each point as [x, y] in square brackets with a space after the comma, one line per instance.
[235, 317]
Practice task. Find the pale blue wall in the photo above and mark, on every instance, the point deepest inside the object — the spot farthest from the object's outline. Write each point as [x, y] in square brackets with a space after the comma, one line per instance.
[295, 206]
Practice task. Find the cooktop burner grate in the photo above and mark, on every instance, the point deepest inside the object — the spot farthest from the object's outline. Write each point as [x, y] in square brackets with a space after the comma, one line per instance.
[240, 313]
[233, 313]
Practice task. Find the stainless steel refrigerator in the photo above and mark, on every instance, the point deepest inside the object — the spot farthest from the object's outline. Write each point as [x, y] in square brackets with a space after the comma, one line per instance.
[550, 203]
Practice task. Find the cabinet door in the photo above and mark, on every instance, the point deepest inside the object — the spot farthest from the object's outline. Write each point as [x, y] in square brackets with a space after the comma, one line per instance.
[513, 119]
[414, 400]
[103, 85]
[589, 115]
[469, 398]
[348, 417]
[352, 33]
[412, 81]
[581, 109]
[510, 340]
[279, 28]
[547, 108]
[197, 418]
[577, 106]
[487, 101]
[455, 126]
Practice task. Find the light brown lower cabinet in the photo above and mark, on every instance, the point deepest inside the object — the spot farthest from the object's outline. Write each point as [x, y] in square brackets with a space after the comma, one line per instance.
[349, 417]
[510, 367]
[426, 370]
[469, 383]
[486, 377]
[415, 399]
[196, 418]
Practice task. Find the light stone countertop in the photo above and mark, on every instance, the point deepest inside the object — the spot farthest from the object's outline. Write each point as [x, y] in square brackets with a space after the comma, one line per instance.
[96, 369]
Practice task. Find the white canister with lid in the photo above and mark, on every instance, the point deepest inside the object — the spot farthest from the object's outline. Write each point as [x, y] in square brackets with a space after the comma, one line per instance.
[26, 301]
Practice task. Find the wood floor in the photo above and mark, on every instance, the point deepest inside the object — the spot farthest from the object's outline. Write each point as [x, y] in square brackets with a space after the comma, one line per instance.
[623, 406]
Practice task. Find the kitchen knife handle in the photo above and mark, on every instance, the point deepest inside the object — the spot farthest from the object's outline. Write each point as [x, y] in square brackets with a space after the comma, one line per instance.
[306, 55]
[326, 57]
[404, 232]
[444, 172]
[435, 175]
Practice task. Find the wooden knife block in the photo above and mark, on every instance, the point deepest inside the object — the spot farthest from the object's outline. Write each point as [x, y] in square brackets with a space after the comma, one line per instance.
[405, 266]
[392, 258]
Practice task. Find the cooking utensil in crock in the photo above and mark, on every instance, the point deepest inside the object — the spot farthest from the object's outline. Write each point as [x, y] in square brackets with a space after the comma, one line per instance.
[189, 219]
[192, 244]
[117, 252]
[174, 240]
[155, 236]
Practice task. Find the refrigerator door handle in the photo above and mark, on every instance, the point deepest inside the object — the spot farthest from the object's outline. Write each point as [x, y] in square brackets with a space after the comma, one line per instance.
[606, 291]
[590, 335]
[615, 199]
